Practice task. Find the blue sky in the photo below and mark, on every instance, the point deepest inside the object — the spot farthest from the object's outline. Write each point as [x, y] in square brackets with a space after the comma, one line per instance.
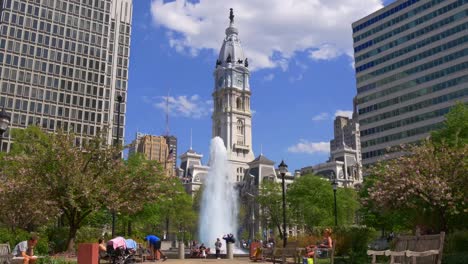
[300, 53]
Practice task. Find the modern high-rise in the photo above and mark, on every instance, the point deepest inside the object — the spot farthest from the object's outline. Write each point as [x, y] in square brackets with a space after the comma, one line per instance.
[63, 64]
[232, 118]
[411, 61]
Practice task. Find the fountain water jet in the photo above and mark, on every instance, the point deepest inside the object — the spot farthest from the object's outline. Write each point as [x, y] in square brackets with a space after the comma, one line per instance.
[219, 206]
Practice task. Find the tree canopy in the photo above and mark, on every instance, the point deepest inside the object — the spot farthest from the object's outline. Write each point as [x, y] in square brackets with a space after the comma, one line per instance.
[47, 175]
[428, 185]
[311, 200]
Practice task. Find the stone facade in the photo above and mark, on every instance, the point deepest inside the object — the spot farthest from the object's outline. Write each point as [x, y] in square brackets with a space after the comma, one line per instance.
[232, 117]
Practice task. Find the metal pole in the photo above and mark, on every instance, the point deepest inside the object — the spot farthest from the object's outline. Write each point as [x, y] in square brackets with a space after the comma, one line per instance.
[252, 220]
[119, 100]
[285, 236]
[336, 216]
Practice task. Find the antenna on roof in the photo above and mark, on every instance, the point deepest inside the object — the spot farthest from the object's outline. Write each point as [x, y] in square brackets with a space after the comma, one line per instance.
[167, 113]
[190, 138]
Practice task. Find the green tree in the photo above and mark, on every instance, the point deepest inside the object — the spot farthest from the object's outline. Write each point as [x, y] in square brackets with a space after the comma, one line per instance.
[76, 181]
[455, 130]
[21, 197]
[311, 200]
[375, 216]
[269, 200]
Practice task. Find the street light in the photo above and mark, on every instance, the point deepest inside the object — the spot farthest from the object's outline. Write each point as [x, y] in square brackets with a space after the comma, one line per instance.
[252, 215]
[335, 186]
[283, 169]
[116, 143]
[5, 119]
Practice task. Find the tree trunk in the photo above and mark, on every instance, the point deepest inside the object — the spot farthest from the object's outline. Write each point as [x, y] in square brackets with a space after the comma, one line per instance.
[280, 231]
[71, 238]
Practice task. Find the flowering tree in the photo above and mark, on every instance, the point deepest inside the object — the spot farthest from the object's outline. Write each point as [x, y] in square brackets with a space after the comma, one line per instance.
[21, 198]
[430, 184]
[75, 181]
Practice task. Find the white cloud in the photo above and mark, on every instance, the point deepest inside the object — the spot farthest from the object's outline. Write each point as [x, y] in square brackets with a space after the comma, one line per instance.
[296, 78]
[325, 52]
[273, 31]
[269, 77]
[187, 106]
[346, 113]
[321, 117]
[305, 146]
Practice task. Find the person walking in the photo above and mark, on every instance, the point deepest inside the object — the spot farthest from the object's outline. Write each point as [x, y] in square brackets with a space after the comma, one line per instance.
[218, 246]
[154, 245]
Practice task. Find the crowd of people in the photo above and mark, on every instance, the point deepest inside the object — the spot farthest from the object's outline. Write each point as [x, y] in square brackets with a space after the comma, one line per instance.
[153, 246]
[25, 249]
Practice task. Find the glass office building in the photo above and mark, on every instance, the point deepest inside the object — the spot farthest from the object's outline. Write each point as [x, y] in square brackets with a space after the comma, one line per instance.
[63, 63]
[411, 60]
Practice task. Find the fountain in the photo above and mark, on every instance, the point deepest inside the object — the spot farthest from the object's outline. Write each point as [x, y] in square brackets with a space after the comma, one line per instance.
[218, 213]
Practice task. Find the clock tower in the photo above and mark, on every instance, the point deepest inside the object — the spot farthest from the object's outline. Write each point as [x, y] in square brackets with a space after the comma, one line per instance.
[232, 118]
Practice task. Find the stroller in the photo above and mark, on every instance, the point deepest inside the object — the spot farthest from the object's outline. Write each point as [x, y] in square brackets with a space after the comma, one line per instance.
[119, 252]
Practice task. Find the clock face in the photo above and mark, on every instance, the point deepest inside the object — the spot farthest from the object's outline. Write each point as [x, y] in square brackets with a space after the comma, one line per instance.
[239, 79]
[220, 81]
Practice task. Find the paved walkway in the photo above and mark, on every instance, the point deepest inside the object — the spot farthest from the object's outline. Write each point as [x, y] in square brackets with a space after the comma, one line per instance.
[195, 261]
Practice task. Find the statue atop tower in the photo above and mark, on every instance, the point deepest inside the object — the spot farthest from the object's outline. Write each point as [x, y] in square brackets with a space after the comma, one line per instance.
[231, 16]
[232, 117]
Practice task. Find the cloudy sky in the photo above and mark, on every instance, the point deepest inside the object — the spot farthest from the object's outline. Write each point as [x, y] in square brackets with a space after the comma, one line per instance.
[300, 54]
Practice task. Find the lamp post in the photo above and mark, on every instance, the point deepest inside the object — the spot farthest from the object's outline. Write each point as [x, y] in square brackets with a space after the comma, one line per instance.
[252, 215]
[335, 186]
[5, 119]
[283, 168]
[117, 143]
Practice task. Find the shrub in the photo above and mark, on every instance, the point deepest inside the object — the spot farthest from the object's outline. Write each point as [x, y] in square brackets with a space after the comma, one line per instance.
[456, 247]
[13, 238]
[7, 236]
[351, 241]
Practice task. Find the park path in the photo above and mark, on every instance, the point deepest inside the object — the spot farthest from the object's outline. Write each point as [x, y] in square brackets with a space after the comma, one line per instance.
[196, 261]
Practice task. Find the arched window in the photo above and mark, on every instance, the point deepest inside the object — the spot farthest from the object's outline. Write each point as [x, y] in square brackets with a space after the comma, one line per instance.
[240, 127]
[239, 103]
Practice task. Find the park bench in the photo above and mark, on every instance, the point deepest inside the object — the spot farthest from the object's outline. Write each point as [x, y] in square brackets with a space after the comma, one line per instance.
[141, 253]
[5, 254]
[325, 253]
[425, 249]
[290, 251]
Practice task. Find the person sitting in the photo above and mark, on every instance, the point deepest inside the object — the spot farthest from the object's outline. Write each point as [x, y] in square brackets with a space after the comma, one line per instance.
[102, 250]
[202, 250]
[327, 242]
[194, 250]
[25, 250]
